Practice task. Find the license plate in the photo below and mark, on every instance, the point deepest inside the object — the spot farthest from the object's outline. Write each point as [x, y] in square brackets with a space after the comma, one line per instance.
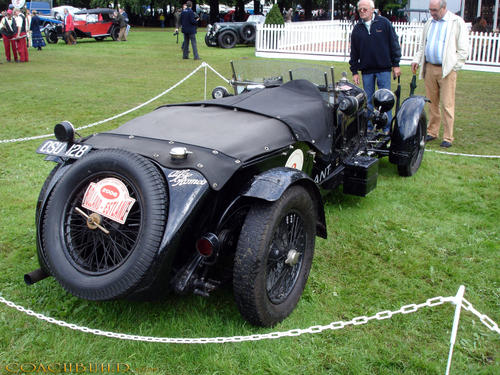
[63, 149]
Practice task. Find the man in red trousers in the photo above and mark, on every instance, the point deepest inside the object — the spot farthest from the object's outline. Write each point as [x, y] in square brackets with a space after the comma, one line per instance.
[8, 29]
[21, 37]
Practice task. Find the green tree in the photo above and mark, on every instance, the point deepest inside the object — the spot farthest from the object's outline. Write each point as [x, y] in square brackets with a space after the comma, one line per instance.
[274, 17]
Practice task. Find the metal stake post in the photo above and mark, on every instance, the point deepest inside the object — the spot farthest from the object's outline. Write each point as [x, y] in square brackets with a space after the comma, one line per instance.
[458, 302]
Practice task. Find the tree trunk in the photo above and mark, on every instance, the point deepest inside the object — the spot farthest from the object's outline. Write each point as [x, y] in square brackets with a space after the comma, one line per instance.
[214, 11]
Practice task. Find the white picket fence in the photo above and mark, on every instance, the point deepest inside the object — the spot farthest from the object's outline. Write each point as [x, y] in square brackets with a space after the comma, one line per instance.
[330, 40]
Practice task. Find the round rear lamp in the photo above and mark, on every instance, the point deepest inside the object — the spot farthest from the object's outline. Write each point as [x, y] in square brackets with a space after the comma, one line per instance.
[207, 244]
[64, 132]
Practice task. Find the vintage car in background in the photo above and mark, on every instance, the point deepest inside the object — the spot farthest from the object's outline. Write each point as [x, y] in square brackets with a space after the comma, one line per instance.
[58, 12]
[229, 34]
[89, 23]
[195, 195]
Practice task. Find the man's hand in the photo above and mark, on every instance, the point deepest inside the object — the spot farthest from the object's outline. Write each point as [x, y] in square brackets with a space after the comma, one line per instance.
[414, 68]
[396, 71]
[355, 79]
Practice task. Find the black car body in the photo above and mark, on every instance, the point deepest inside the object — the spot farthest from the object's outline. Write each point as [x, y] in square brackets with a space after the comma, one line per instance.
[229, 34]
[194, 195]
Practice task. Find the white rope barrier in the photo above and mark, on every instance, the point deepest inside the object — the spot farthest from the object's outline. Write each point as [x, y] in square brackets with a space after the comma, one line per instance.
[460, 154]
[203, 65]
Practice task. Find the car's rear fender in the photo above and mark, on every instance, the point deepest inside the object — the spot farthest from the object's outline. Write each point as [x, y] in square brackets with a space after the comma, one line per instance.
[270, 186]
[404, 134]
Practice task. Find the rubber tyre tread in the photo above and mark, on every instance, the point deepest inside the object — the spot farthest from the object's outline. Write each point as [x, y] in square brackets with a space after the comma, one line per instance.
[248, 37]
[223, 43]
[249, 282]
[152, 194]
[412, 167]
[210, 43]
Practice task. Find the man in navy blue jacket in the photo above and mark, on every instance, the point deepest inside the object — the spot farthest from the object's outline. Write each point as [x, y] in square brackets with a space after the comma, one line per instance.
[375, 51]
[188, 23]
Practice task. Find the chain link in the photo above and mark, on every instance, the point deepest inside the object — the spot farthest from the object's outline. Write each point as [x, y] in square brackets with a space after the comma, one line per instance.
[485, 319]
[382, 315]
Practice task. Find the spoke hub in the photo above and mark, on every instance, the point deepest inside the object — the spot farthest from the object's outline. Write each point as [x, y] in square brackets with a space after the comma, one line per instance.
[292, 258]
[94, 220]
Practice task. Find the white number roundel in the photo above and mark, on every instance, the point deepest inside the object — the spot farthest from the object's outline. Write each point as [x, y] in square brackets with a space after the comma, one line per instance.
[295, 160]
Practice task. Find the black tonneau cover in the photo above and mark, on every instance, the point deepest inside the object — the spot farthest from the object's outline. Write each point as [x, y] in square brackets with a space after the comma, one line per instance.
[225, 133]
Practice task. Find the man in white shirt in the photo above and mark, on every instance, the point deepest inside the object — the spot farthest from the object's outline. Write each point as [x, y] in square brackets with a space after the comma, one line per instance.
[443, 51]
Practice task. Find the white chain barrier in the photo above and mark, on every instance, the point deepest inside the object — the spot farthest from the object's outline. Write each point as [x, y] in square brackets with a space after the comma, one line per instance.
[382, 315]
[203, 65]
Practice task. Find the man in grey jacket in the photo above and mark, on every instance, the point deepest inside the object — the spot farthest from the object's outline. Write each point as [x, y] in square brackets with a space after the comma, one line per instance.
[442, 52]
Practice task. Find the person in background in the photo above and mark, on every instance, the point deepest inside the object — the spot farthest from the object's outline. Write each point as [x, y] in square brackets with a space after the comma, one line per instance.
[69, 27]
[36, 35]
[289, 15]
[375, 51]
[21, 36]
[442, 52]
[8, 28]
[28, 28]
[125, 17]
[188, 23]
[123, 26]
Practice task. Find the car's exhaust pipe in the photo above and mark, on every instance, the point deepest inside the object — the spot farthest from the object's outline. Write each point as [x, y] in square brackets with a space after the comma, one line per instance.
[35, 276]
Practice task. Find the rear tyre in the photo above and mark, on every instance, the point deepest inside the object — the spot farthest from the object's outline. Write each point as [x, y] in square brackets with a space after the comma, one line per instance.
[85, 260]
[274, 256]
[412, 167]
[227, 39]
[115, 32]
[248, 32]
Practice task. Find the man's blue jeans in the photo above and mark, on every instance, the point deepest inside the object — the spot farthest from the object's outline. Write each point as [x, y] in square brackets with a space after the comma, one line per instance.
[185, 46]
[383, 80]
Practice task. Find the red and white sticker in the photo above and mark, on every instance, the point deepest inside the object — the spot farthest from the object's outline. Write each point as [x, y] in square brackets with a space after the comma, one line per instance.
[295, 160]
[109, 198]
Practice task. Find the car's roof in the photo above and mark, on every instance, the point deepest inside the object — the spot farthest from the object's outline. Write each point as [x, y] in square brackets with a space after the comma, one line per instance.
[96, 11]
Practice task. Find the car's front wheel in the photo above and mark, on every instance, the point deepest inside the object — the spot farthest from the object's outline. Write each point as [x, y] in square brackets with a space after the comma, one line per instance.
[227, 39]
[210, 41]
[274, 256]
[413, 165]
[104, 223]
[51, 36]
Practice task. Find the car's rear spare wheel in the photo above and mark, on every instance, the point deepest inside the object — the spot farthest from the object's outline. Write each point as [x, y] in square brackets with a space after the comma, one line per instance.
[274, 256]
[104, 223]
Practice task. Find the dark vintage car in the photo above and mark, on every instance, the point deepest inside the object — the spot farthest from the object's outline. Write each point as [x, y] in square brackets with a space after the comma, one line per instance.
[229, 34]
[195, 195]
[89, 23]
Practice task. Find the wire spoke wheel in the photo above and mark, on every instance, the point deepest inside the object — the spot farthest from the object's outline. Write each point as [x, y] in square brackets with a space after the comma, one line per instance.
[107, 251]
[92, 250]
[274, 256]
[285, 258]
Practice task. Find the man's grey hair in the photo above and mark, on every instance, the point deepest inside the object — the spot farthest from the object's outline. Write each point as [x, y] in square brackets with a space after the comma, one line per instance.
[372, 4]
[442, 3]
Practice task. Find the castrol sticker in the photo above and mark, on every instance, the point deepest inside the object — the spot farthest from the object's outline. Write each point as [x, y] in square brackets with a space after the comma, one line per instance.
[109, 198]
[295, 160]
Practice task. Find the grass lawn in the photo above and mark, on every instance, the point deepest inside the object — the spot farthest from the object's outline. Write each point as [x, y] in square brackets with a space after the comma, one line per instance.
[409, 240]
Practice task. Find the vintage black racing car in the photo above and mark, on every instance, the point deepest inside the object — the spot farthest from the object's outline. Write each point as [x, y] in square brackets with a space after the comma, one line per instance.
[229, 190]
